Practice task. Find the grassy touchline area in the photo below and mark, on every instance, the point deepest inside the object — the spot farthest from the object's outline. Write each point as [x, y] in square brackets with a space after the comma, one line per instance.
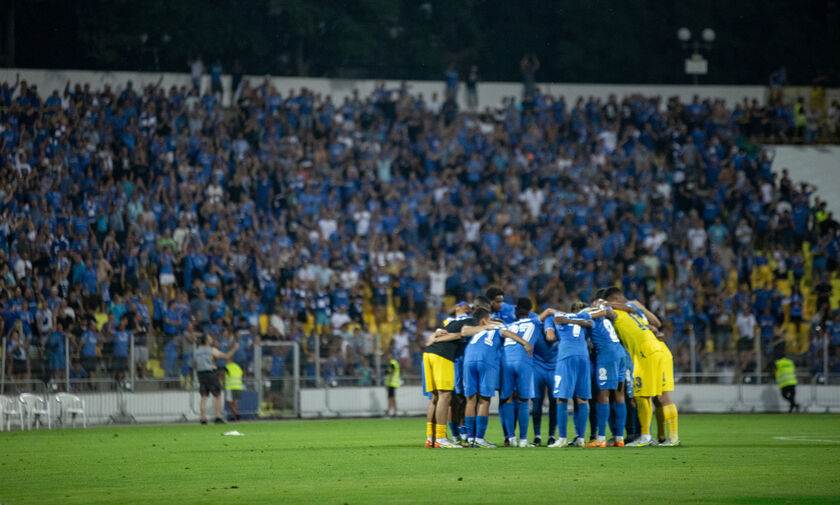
[724, 459]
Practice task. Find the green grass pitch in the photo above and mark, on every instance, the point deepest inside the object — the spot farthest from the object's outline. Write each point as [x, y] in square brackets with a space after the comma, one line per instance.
[724, 459]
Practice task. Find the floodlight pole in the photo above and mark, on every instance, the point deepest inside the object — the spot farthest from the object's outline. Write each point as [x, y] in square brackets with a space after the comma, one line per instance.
[693, 350]
[67, 362]
[3, 369]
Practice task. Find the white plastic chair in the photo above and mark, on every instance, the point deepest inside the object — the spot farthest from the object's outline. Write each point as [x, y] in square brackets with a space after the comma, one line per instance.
[35, 409]
[9, 409]
[72, 405]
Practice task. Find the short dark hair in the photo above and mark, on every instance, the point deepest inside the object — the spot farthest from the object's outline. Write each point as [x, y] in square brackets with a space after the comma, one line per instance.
[493, 292]
[578, 306]
[481, 313]
[481, 301]
[612, 290]
[523, 306]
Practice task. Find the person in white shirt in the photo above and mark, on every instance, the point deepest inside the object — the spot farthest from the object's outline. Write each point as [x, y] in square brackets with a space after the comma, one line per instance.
[745, 323]
[697, 237]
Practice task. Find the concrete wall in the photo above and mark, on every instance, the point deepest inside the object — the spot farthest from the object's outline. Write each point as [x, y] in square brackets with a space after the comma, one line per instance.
[355, 402]
[490, 94]
[182, 406]
[818, 165]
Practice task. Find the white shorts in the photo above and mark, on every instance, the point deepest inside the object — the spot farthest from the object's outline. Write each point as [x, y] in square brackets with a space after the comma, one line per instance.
[167, 279]
[141, 354]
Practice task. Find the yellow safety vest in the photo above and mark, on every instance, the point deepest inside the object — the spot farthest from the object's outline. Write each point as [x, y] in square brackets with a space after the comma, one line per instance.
[233, 378]
[785, 373]
[395, 382]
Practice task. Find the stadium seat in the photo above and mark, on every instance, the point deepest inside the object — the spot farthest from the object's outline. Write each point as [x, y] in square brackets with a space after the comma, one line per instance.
[10, 408]
[71, 405]
[35, 408]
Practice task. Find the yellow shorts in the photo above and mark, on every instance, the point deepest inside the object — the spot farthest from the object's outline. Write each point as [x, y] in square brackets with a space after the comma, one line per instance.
[439, 373]
[648, 374]
[667, 369]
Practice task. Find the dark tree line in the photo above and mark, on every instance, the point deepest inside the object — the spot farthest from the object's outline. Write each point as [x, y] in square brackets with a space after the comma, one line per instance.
[622, 41]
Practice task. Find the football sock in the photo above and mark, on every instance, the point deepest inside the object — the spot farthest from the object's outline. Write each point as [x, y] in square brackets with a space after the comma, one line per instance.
[593, 421]
[536, 415]
[453, 428]
[430, 431]
[480, 426]
[632, 420]
[671, 421]
[602, 412]
[620, 419]
[552, 421]
[462, 431]
[645, 411]
[660, 423]
[562, 418]
[470, 421]
[523, 413]
[506, 412]
[515, 417]
[581, 418]
[612, 421]
[440, 431]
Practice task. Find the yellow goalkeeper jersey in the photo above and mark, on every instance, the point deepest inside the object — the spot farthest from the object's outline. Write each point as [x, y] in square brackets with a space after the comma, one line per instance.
[635, 334]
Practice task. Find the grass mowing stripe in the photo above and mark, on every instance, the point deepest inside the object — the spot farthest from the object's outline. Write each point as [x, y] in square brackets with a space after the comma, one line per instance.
[724, 459]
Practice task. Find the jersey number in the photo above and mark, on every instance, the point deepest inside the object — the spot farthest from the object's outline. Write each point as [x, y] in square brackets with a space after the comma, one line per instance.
[488, 337]
[611, 330]
[524, 330]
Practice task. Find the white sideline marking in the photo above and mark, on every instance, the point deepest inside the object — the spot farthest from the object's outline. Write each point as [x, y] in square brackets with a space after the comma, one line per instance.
[808, 438]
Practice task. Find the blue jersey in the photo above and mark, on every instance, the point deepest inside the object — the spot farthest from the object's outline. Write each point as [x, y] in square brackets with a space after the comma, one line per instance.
[571, 339]
[545, 352]
[506, 314]
[605, 339]
[527, 328]
[122, 338]
[484, 346]
[89, 341]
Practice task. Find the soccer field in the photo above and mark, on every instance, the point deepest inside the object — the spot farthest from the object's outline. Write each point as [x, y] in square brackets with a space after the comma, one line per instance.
[724, 459]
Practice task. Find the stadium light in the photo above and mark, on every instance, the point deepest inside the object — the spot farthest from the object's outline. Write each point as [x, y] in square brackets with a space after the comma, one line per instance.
[696, 65]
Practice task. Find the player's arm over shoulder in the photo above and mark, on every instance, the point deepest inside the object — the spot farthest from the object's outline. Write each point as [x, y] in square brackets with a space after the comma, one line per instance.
[652, 319]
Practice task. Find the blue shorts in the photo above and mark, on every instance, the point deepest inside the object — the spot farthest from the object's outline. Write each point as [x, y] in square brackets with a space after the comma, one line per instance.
[481, 378]
[572, 378]
[609, 372]
[628, 375]
[517, 376]
[321, 318]
[427, 394]
[57, 361]
[543, 378]
[459, 375]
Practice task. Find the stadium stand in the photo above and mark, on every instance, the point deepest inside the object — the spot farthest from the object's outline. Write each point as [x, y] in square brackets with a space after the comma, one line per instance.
[148, 215]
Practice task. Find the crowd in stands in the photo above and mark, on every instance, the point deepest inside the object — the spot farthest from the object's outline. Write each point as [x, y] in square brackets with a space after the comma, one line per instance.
[150, 215]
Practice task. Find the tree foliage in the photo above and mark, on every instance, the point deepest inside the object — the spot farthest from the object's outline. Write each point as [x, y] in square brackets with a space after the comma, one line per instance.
[631, 41]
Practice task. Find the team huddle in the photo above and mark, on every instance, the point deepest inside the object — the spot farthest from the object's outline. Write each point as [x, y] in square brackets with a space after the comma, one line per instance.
[613, 346]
